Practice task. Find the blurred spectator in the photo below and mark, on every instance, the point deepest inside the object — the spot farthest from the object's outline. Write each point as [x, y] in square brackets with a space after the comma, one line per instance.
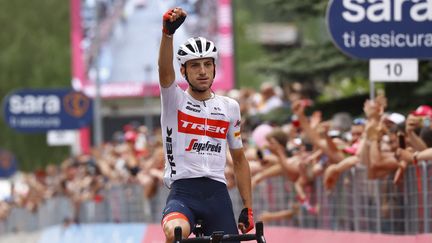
[267, 99]
[151, 174]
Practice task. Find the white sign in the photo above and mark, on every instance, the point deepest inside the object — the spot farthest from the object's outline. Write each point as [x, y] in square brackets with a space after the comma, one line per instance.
[61, 137]
[393, 70]
[5, 190]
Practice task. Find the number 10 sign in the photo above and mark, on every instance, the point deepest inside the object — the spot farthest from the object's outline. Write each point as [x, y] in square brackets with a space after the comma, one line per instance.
[393, 70]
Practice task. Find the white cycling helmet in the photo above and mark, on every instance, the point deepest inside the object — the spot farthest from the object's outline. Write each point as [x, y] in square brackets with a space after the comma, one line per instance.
[193, 49]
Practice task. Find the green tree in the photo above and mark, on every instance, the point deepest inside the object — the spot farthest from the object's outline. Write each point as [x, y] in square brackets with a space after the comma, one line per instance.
[246, 51]
[35, 54]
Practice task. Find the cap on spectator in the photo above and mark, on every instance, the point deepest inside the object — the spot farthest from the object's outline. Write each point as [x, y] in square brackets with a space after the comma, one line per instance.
[423, 110]
[128, 127]
[359, 121]
[396, 118]
[130, 136]
[334, 133]
[259, 134]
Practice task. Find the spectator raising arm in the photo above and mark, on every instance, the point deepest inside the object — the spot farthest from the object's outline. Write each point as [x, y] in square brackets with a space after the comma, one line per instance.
[334, 155]
[415, 141]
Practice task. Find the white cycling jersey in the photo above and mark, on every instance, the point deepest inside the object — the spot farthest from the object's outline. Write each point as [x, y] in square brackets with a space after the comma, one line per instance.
[195, 134]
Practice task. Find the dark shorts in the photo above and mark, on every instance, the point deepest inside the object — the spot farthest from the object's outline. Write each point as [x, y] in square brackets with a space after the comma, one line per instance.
[203, 199]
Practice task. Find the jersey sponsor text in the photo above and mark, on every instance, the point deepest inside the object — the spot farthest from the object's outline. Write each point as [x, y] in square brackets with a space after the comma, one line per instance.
[169, 151]
[202, 126]
[199, 147]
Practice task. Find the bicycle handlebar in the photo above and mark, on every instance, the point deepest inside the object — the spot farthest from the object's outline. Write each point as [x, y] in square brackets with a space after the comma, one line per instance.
[219, 236]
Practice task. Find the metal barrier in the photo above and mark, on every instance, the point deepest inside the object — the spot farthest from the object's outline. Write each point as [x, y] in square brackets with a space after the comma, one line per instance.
[356, 204]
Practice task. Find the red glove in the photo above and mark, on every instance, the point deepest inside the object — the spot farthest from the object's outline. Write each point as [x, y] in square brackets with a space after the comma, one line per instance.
[169, 27]
[246, 221]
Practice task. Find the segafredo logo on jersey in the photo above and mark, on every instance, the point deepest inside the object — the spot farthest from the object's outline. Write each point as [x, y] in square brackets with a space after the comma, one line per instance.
[194, 145]
[382, 28]
[201, 126]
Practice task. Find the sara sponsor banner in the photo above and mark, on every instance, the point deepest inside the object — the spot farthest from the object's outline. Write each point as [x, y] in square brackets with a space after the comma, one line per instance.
[29, 110]
[369, 29]
[116, 43]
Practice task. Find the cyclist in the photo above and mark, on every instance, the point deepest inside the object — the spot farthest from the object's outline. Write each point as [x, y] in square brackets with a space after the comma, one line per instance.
[196, 126]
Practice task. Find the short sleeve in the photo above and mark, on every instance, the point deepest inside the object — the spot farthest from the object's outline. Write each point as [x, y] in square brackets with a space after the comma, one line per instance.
[234, 131]
[170, 98]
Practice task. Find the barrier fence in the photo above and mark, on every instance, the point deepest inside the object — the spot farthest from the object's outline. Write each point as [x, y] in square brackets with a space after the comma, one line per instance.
[356, 204]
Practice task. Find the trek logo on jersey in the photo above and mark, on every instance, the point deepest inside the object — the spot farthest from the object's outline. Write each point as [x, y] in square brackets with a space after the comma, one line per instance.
[169, 151]
[201, 126]
[203, 147]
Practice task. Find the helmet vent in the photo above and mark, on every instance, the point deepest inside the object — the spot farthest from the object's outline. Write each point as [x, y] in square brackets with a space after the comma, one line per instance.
[182, 53]
[199, 46]
[190, 47]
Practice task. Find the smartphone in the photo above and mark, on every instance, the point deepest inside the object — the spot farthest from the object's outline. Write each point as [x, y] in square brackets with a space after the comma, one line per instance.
[259, 154]
[308, 147]
[401, 138]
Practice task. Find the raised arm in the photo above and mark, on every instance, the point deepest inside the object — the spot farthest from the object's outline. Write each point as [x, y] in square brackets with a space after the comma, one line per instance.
[323, 144]
[415, 141]
[172, 19]
[273, 170]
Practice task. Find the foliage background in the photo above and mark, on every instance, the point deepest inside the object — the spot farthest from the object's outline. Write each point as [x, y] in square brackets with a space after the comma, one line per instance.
[35, 52]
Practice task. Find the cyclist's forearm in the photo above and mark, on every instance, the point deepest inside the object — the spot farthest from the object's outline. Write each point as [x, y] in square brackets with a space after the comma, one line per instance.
[166, 67]
[242, 172]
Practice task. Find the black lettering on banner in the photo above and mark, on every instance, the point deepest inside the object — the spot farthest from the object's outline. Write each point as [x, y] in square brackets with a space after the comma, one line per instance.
[169, 151]
[396, 69]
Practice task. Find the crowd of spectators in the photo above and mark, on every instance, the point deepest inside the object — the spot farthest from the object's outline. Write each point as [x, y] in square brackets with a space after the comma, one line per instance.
[304, 149]
[133, 156]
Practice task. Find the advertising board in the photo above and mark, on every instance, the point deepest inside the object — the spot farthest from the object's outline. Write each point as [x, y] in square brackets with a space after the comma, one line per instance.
[40, 110]
[370, 29]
